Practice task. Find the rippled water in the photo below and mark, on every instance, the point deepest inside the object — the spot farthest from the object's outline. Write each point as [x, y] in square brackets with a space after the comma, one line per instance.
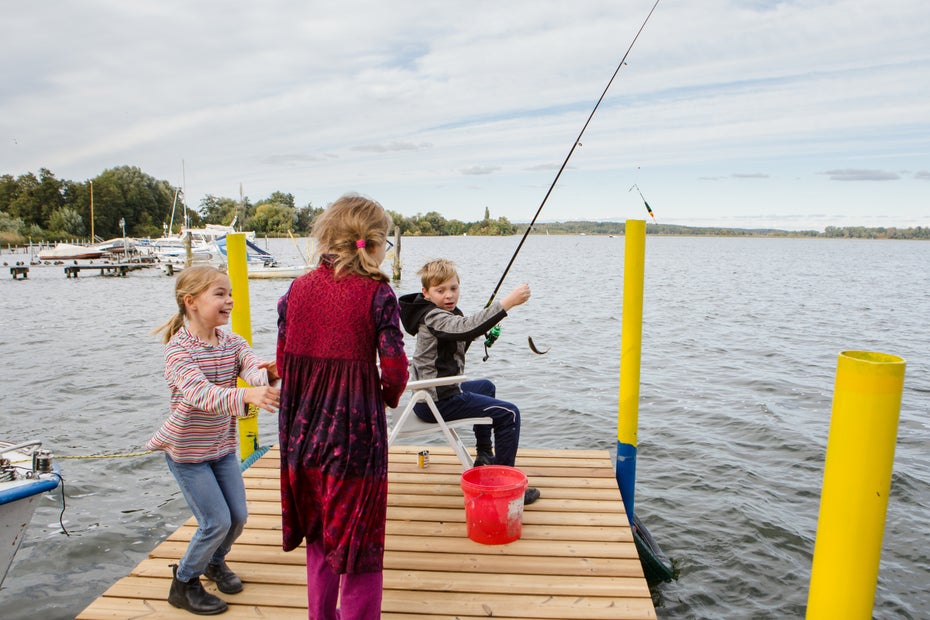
[740, 341]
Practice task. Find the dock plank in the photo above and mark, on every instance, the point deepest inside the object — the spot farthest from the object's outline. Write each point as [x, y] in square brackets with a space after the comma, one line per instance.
[575, 559]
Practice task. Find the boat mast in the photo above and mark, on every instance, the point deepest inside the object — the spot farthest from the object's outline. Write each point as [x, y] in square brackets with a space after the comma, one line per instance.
[91, 211]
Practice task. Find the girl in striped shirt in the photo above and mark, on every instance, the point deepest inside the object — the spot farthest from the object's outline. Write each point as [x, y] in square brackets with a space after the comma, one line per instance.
[202, 364]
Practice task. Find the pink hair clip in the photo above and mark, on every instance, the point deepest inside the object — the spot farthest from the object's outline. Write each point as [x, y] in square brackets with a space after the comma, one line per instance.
[360, 243]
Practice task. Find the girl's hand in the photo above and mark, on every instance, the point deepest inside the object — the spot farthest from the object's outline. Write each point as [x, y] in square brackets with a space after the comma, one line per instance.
[264, 396]
[272, 368]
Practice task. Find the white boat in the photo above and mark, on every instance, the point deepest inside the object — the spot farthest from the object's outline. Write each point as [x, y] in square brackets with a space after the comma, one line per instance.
[26, 472]
[254, 255]
[263, 273]
[69, 251]
[212, 232]
[172, 250]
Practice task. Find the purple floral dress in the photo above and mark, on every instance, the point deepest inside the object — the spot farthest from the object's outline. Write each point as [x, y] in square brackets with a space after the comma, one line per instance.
[332, 427]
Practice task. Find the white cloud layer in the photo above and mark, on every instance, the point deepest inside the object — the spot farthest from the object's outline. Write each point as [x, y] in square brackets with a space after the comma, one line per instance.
[743, 112]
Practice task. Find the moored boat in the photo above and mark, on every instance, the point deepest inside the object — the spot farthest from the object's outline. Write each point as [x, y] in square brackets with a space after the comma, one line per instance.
[263, 273]
[69, 251]
[26, 472]
[255, 256]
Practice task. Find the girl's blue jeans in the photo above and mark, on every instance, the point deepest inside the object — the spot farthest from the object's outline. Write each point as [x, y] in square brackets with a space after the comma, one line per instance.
[216, 495]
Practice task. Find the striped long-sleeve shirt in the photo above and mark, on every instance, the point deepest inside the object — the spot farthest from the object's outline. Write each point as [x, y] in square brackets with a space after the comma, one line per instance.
[205, 401]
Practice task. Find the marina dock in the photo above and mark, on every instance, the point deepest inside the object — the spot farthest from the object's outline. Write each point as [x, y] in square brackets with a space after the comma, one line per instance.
[106, 269]
[576, 557]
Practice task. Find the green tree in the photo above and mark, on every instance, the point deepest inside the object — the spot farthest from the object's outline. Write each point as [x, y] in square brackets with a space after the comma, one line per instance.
[217, 210]
[9, 188]
[273, 218]
[280, 198]
[129, 194]
[305, 217]
[67, 222]
[24, 203]
[10, 228]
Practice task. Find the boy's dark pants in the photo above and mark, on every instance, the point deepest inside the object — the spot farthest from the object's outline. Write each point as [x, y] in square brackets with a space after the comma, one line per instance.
[477, 400]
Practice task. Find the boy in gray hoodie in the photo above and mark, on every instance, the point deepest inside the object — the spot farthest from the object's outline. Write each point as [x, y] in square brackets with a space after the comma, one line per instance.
[444, 334]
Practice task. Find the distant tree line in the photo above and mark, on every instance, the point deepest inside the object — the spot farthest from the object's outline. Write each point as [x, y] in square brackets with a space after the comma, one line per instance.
[618, 228]
[125, 200]
[40, 207]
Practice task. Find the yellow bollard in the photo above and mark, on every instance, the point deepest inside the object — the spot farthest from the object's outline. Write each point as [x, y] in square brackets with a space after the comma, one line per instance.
[856, 483]
[631, 346]
[238, 269]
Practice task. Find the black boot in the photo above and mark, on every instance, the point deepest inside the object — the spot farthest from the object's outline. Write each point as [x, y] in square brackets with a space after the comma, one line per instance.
[191, 596]
[530, 495]
[485, 456]
[226, 581]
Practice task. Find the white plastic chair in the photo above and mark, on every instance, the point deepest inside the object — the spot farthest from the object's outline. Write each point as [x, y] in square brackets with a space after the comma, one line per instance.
[408, 425]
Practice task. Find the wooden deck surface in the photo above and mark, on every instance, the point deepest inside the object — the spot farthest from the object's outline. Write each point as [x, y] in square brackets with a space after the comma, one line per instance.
[575, 559]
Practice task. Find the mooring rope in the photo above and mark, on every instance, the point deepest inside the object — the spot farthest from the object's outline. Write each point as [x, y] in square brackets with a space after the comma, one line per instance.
[121, 455]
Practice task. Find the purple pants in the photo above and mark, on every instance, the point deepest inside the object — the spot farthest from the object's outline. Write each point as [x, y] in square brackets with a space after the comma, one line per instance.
[360, 593]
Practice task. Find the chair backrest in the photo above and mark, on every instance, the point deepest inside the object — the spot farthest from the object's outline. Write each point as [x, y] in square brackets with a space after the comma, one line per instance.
[408, 425]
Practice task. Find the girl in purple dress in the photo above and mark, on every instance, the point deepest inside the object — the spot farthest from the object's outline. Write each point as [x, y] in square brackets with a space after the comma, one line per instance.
[336, 324]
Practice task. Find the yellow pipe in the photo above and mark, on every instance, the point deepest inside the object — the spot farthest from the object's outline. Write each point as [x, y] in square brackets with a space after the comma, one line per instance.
[856, 483]
[631, 341]
[238, 270]
[631, 345]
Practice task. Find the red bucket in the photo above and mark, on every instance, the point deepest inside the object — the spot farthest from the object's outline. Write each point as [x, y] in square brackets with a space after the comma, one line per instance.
[494, 503]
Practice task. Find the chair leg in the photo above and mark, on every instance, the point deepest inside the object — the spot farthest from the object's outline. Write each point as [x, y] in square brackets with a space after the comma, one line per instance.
[461, 451]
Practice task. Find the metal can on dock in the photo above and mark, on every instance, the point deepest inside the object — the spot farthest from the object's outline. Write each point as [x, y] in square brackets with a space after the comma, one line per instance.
[423, 459]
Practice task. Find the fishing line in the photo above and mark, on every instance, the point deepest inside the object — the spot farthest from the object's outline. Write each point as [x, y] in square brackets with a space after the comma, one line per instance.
[489, 341]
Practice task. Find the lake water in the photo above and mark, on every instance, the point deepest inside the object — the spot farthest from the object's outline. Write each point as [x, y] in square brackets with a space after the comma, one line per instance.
[740, 341]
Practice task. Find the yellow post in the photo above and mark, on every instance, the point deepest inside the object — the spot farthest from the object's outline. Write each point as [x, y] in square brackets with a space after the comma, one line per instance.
[242, 324]
[631, 346]
[856, 482]
[397, 254]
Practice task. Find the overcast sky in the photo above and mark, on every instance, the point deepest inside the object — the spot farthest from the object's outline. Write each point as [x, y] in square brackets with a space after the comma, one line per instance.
[749, 113]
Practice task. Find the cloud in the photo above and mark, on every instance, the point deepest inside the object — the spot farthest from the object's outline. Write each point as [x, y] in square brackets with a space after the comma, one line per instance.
[480, 170]
[399, 102]
[856, 174]
[392, 146]
[293, 159]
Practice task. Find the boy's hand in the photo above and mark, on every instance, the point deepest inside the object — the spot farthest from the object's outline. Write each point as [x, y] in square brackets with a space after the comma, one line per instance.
[517, 296]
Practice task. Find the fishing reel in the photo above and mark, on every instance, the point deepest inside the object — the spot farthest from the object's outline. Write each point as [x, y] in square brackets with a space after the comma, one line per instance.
[489, 339]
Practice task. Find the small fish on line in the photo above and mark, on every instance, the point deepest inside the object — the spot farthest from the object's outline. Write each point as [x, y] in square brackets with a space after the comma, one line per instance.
[534, 349]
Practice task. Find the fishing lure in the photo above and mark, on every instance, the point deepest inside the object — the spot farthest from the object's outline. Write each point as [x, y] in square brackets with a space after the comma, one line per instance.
[648, 208]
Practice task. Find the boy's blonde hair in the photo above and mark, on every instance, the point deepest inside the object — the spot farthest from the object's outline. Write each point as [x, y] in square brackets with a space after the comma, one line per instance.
[346, 229]
[437, 271]
[192, 281]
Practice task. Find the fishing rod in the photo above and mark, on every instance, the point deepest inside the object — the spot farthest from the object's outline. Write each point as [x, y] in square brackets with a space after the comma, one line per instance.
[492, 336]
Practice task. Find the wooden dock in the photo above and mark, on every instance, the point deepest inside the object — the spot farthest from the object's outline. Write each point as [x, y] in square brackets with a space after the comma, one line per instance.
[106, 269]
[575, 559]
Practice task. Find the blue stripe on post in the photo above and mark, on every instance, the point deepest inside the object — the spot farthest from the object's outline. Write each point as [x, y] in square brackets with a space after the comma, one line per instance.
[626, 475]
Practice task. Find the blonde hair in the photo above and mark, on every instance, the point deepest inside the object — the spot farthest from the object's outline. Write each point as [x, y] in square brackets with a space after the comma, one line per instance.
[437, 271]
[346, 229]
[192, 281]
